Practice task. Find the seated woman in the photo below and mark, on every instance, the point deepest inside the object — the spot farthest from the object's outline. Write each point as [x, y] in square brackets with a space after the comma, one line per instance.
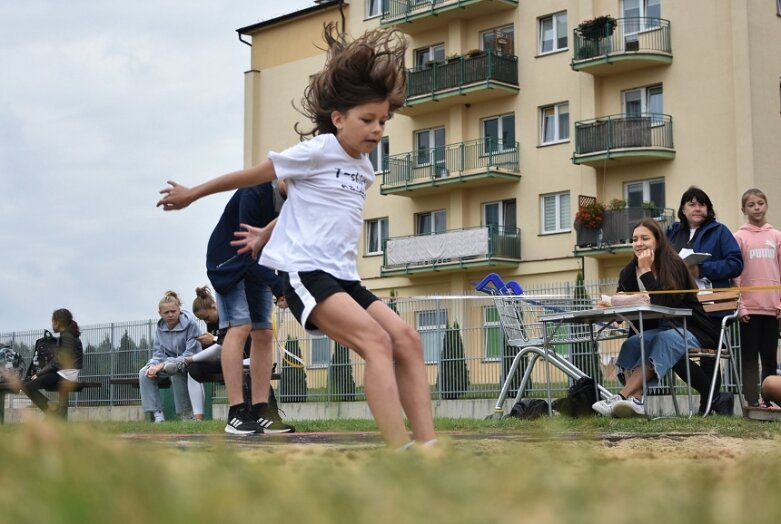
[176, 337]
[62, 371]
[655, 267]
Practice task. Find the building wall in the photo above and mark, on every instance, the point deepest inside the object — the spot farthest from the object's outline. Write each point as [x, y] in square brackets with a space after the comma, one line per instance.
[722, 91]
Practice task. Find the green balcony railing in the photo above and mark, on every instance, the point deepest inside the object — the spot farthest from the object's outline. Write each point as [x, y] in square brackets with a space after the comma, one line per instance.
[617, 225]
[455, 161]
[456, 248]
[461, 72]
[603, 134]
[396, 11]
[623, 35]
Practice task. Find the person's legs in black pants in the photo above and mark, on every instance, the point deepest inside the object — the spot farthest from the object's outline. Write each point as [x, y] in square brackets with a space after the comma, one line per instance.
[701, 375]
[32, 389]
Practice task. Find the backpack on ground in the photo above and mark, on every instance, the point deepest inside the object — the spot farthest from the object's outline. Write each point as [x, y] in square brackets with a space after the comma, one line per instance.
[11, 363]
[580, 396]
[529, 409]
[43, 353]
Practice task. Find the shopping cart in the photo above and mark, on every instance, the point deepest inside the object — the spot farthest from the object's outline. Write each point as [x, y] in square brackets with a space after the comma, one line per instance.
[519, 316]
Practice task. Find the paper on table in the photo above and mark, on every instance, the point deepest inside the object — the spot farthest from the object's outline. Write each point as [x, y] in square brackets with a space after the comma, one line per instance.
[690, 258]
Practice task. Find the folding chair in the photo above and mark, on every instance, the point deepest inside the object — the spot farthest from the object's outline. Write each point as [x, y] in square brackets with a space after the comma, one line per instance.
[719, 302]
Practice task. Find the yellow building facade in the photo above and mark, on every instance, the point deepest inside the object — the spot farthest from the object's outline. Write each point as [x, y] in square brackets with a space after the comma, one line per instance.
[518, 113]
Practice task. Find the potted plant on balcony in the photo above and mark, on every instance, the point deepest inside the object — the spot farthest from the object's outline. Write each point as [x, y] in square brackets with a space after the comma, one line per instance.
[596, 28]
[615, 225]
[588, 223]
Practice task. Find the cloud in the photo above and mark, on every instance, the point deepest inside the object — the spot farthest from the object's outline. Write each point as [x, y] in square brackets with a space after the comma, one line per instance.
[100, 104]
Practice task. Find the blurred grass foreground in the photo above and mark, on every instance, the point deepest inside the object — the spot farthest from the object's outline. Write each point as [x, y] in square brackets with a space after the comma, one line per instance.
[506, 473]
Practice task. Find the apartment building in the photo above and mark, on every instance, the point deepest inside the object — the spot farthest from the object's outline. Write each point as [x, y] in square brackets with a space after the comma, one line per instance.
[521, 112]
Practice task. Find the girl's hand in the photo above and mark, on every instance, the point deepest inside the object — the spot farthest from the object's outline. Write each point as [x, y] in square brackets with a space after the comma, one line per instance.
[152, 371]
[205, 339]
[251, 239]
[744, 317]
[176, 197]
[645, 260]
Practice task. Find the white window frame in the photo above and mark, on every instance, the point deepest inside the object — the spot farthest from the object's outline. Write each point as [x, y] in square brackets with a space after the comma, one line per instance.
[435, 216]
[432, 53]
[646, 25]
[554, 21]
[377, 4]
[504, 208]
[430, 147]
[502, 121]
[315, 347]
[508, 32]
[562, 209]
[560, 133]
[382, 234]
[431, 334]
[491, 329]
[646, 189]
[379, 155]
[645, 94]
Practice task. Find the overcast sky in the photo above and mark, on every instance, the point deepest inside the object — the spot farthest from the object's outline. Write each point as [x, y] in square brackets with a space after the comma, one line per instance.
[101, 103]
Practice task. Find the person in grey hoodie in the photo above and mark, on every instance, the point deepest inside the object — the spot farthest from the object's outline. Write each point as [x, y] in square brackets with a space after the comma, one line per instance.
[176, 337]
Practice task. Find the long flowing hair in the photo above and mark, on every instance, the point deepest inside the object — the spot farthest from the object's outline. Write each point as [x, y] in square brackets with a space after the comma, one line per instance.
[669, 269]
[369, 68]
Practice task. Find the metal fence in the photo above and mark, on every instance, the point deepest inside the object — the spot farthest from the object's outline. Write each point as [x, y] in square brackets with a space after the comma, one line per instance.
[463, 344]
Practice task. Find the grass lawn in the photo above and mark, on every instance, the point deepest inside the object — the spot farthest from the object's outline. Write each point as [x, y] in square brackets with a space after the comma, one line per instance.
[720, 469]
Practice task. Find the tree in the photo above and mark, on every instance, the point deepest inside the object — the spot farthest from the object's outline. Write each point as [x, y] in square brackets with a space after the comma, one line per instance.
[453, 378]
[341, 383]
[292, 382]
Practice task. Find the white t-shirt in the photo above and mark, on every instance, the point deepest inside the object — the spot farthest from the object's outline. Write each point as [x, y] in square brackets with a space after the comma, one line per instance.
[320, 224]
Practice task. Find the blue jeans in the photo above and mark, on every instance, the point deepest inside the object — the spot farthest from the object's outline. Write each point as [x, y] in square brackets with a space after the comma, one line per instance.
[664, 347]
[247, 303]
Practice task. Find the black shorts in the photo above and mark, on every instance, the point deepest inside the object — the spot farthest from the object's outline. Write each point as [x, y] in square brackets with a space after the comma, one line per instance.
[305, 289]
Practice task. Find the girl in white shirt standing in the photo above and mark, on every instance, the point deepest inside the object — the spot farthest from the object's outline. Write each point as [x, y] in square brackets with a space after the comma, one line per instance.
[315, 241]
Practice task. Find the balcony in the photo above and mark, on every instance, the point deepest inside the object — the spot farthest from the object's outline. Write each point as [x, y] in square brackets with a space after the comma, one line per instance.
[624, 139]
[467, 79]
[415, 16]
[615, 235]
[468, 164]
[626, 45]
[457, 249]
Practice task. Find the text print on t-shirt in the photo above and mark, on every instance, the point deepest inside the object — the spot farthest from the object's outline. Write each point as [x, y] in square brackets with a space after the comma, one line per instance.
[354, 182]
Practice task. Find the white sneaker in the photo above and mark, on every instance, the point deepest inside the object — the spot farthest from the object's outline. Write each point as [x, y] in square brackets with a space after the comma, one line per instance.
[630, 407]
[159, 417]
[605, 407]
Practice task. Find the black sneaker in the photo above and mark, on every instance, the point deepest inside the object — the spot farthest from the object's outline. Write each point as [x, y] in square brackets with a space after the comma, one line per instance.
[242, 423]
[270, 422]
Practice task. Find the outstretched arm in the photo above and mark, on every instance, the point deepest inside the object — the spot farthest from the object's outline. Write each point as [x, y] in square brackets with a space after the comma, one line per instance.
[178, 197]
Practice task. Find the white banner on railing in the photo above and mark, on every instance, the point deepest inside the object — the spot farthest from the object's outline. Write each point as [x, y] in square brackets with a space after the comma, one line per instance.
[452, 245]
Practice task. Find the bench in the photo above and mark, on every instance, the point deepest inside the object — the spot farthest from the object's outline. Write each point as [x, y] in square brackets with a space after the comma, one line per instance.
[166, 382]
[64, 396]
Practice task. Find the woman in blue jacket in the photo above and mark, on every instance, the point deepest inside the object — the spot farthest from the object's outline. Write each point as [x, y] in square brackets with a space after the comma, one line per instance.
[699, 231]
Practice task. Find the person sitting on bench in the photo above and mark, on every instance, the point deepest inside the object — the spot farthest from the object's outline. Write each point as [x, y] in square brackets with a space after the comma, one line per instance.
[62, 372]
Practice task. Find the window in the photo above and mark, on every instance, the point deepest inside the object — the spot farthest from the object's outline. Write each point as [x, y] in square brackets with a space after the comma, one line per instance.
[431, 222]
[430, 149]
[645, 101]
[554, 123]
[555, 211]
[321, 351]
[425, 55]
[641, 15]
[379, 156]
[500, 214]
[500, 40]
[376, 235]
[493, 341]
[373, 8]
[431, 326]
[553, 33]
[499, 133]
[635, 193]
[778, 7]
